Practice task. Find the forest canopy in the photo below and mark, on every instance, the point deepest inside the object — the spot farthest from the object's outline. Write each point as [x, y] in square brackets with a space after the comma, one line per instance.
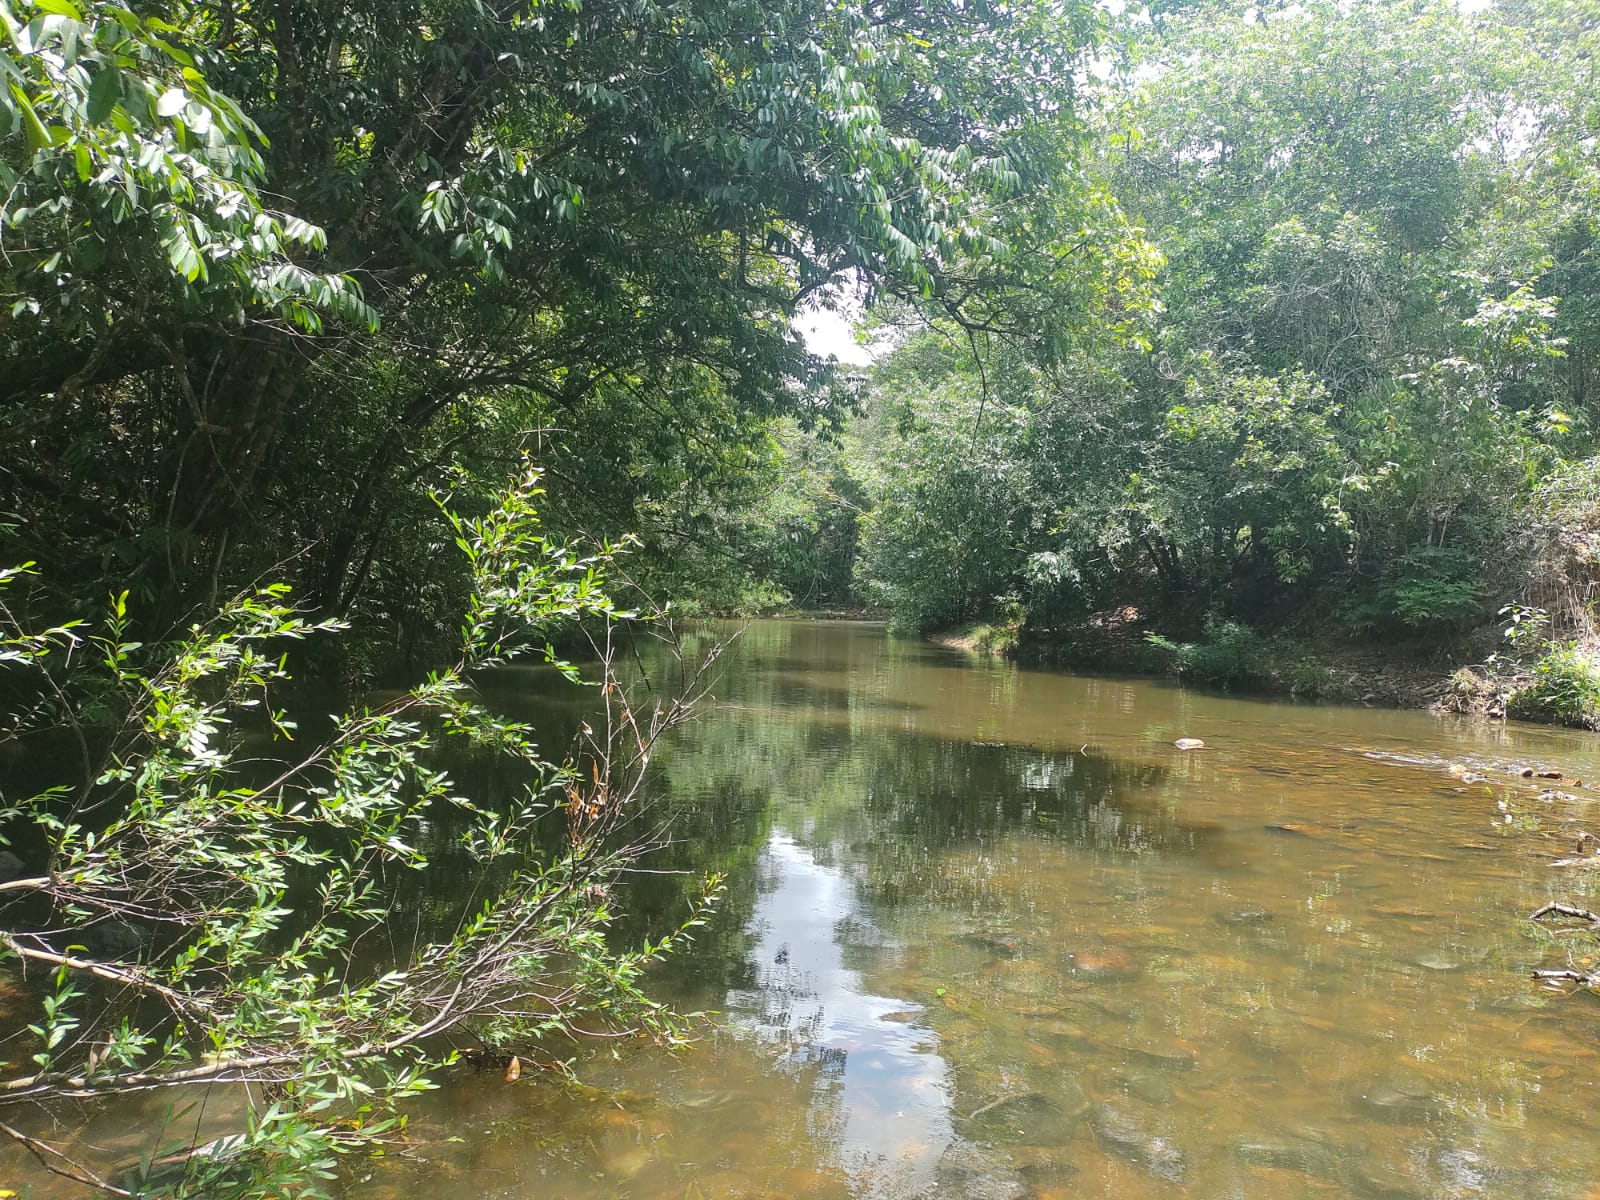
[1373, 353]
[277, 273]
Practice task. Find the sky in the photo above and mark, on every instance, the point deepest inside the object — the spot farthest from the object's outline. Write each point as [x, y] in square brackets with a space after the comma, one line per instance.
[829, 332]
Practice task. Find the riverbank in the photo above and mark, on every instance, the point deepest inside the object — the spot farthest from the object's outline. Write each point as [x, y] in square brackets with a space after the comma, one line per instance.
[1444, 676]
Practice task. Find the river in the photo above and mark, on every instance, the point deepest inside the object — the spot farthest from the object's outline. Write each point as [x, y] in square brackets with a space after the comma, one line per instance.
[990, 934]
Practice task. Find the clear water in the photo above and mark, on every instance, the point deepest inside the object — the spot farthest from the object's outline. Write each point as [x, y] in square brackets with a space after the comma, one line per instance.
[989, 934]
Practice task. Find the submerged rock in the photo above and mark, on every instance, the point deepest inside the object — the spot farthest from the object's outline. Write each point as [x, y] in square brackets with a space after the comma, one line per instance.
[1152, 1089]
[11, 867]
[1402, 1103]
[116, 938]
[1071, 1101]
[1438, 960]
[1290, 1154]
[1108, 962]
[999, 945]
[1059, 1029]
[974, 1172]
[1124, 1135]
[1245, 916]
[1018, 1107]
[1027, 978]
[1168, 1056]
[1375, 1183]
[1465, 1170]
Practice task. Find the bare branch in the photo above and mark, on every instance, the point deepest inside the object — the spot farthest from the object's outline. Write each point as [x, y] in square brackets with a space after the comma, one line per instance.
[57, 1163]
[1565, 910]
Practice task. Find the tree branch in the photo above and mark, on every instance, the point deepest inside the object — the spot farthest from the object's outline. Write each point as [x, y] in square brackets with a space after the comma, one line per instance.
[51, 1159]
[179, 1001]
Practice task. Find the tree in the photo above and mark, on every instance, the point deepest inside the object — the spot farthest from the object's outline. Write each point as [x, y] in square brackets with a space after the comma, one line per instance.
[610, 206]
[1367, 228]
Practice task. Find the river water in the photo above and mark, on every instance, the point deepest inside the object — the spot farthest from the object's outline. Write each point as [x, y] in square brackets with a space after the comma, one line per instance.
[989, 934]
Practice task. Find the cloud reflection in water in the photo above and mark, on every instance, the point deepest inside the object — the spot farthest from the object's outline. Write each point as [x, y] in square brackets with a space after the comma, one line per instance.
[883, 1100]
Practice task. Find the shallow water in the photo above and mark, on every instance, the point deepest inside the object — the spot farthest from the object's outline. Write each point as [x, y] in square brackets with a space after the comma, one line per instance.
[988, 934]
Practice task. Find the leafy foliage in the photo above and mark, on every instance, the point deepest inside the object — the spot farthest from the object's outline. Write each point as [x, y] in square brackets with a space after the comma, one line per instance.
[1363, 356]
[127, 150]
[584, 226]
[1565, 689]
[200, 922]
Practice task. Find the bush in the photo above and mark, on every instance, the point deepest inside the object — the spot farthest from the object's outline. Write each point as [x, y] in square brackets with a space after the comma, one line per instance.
[1435, 585]
[1429, 589]
[1565, 689]
[240, 902]
[1228, 655]
[1234, 655]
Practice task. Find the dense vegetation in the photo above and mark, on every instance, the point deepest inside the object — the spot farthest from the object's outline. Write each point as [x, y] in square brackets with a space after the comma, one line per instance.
[1207, 332]
[1359, 402]
[277, 273]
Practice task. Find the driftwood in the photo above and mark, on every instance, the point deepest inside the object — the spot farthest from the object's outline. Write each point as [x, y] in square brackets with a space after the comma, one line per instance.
[1564, 910]
[1577, 977]
[1566, 974]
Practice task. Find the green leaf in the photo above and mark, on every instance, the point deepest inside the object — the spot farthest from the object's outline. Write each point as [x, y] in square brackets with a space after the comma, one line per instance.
[38, 137]
[104, 93]
[61, 8]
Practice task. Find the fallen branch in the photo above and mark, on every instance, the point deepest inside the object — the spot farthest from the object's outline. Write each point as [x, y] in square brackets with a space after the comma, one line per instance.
[111, 974]
[997, 1102]
[1565, 910]
[48, 1156]
[1577, 977]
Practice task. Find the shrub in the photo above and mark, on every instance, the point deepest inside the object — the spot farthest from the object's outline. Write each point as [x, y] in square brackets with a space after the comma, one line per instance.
[1565, 689]
[1228, 655]
[252, 895]
[1436, 585]
[1430, 588]
[1234, 655]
